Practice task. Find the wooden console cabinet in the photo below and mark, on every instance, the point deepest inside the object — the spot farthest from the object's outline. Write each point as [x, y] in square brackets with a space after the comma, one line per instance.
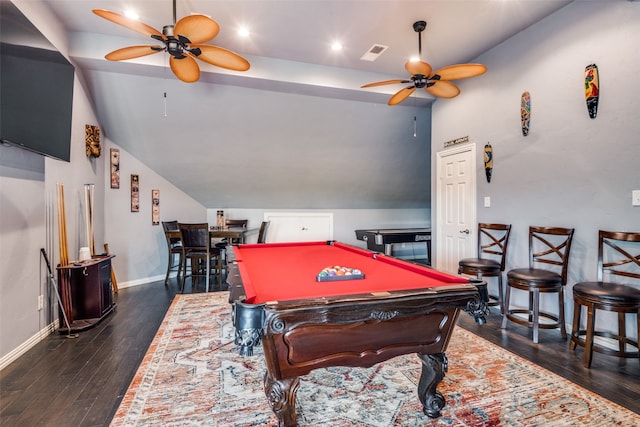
[86, 293]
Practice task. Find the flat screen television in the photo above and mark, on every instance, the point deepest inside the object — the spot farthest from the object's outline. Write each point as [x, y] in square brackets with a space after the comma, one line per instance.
[36, 97]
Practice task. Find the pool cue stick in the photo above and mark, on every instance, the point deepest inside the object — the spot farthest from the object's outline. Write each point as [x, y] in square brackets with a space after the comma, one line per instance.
[89, 200]
[87, 218]
[56, 291]
[64, 256]
[93, 239]
[114, 283]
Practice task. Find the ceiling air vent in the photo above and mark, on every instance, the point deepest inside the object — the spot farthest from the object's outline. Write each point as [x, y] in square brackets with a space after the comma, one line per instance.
[374, 52]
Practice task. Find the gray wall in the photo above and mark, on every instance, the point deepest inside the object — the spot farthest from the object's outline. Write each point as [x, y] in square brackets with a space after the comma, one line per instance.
[570, 170]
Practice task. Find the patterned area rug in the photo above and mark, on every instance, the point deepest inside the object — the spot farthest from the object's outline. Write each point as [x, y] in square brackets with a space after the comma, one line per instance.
[192, 375]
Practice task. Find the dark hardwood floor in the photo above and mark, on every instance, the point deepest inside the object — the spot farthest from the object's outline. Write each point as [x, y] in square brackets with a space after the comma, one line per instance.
[81, 381]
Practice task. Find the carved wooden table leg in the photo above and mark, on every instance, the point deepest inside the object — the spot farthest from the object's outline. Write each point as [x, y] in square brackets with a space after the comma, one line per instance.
[281, 395]
[433, 368]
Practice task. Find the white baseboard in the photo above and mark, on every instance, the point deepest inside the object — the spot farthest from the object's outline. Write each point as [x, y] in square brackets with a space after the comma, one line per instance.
[142, 281]
[25, 346]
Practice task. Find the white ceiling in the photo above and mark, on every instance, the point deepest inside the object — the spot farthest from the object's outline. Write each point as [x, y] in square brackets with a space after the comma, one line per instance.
[303, 30]
[289, 52]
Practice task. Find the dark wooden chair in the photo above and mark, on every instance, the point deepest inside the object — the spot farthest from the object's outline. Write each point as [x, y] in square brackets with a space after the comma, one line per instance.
[222, 243]
[549, 249]
[262, 233]
[174, 248]
[197, 249]
[493, 240]
[619, 258]
[236, 223]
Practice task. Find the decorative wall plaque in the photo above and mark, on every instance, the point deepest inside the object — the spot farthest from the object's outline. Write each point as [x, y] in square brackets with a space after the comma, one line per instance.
[115, 168]
[155, 207]
[92, 140]
[135, 193]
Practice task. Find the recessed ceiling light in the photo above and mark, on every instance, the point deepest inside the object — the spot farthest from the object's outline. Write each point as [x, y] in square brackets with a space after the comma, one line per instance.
[336, 46]
[243, 32]
[131, 14]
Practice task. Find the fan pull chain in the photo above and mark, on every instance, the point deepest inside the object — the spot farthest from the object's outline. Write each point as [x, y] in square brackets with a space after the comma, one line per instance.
[415, 128]
[165, 104]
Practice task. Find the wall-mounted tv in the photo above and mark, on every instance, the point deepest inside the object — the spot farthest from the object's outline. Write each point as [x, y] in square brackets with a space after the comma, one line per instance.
[36, 96]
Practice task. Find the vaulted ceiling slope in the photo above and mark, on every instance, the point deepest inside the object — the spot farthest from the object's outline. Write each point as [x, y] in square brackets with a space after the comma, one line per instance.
[295, 130]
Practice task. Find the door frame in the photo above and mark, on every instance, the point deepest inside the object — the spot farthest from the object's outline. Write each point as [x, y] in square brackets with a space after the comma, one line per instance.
[472, 212]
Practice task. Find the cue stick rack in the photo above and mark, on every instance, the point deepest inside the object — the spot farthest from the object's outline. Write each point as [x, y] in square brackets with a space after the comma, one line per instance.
[85, 286]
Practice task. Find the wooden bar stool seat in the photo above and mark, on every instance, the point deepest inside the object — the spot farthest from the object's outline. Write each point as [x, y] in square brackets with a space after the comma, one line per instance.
[493, 240]
[609, 296]
[549, 249]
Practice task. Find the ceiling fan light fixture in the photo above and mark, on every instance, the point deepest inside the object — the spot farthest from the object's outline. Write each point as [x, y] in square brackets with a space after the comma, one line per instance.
[183, 41]
[174, 48]
[436, 83]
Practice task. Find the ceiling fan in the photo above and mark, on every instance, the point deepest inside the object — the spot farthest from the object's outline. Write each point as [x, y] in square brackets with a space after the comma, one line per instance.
[437, 83]
[182, 40]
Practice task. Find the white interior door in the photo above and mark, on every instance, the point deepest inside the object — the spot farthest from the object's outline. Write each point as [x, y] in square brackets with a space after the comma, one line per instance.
[456, 209]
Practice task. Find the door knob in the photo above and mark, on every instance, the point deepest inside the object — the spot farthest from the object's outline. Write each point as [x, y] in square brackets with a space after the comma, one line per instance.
[465, 231]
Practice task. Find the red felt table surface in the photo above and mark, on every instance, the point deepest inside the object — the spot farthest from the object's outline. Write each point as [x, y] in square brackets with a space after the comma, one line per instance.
[288, 271]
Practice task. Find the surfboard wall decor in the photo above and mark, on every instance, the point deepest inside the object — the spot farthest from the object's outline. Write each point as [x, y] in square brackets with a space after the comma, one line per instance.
[488, 161]
[592, 89]
[525, 112]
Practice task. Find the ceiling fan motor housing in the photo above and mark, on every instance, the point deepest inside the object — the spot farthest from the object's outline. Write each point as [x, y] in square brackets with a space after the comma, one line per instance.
[419, 80]
[175, 46]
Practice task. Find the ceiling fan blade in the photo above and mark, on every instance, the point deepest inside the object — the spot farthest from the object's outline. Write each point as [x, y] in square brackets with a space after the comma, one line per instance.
[133, 52]
[461, 71]
[197, 28]
[401, 95]
[386, 82]
[186, 69]
[221, 57]
[418, 67]
[129, 23]
[443, 89]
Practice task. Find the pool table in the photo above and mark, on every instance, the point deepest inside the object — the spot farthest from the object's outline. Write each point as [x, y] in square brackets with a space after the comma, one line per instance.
[304, 324]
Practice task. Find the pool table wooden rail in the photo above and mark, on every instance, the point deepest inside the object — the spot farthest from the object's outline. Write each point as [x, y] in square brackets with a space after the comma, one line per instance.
[358, 333]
